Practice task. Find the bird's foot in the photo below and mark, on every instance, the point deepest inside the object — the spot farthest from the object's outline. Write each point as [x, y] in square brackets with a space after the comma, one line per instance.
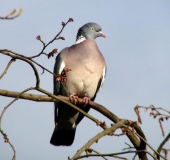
[74, 99]
[86, 101]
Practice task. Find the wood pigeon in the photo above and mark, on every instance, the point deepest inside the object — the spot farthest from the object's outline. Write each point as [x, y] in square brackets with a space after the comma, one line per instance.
[88, 70]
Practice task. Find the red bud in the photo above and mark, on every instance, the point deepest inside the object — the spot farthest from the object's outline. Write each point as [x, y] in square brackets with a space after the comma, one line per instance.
[63, 24]
[38, 37]
[70, 20]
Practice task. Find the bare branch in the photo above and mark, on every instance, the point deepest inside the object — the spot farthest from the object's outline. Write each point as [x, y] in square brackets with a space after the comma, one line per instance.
[26, 60]
[90, 150]
[150, 146]
[154, 113]
[129, 146]
[2, 132]
[97, 137]
[16, 98]
[135, 141]
[69, 104]
[27, 96]
[136, 109]
[160, 124]
[115, 154]
[22, 56]
[55, 38]
[162, 144]
[7, 67]
[12, 15]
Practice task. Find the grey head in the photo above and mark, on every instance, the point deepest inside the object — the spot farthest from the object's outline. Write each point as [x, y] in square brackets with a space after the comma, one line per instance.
[90, 31]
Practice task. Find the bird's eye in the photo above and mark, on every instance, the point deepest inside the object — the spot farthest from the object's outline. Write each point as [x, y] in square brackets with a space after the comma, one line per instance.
[92, 28]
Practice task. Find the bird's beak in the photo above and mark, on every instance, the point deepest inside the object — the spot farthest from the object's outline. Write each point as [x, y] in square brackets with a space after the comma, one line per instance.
[102, 34]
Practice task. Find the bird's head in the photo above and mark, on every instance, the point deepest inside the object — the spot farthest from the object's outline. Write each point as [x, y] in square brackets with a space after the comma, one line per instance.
[90, 31]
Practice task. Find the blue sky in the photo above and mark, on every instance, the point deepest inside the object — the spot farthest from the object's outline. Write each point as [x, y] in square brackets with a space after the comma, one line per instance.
[137, 52]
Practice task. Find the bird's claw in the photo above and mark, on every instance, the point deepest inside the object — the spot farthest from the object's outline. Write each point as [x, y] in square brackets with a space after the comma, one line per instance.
[86, 101]
[73, 98]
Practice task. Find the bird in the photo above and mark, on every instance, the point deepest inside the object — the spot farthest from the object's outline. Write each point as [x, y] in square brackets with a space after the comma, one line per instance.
[87, 72]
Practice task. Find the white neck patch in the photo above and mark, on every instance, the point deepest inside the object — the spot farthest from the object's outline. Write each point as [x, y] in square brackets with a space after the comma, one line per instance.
[80, 39]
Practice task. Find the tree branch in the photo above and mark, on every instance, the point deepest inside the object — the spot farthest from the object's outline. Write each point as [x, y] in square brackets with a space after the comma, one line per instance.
[97, 137]
[135, 141]
[115, 154]
[26, 60]
[162, 144]
[31, 60]
[2, 132]
[7, 67]
[12, 15]
[148, 144]
[139, 145]
[55, 38]
[90, 150]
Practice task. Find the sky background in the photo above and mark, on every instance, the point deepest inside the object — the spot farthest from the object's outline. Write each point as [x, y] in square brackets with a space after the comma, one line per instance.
[137, 52]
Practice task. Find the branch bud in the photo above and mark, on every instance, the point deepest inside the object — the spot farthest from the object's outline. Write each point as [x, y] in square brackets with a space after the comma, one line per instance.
[11, 13]
[63, 24]
[70, 20]
[38, 37]
[62, 38]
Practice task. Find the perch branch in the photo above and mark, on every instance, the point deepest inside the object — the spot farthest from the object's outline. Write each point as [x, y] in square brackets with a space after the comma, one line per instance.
[93, 105]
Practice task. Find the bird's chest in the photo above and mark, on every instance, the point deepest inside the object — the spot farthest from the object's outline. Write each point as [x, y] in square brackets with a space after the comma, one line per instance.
[86, 64]
[83, 79]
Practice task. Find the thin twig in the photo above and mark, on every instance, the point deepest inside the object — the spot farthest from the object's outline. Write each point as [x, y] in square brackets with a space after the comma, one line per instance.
[162, 144]
[149, 145]
[45, 46]
[16, 98]
[2, 132]
[154, 113]
[160, 124]
[14, 155]
[90, 150]
[130, 147]
[11, 15]
[26, 60]
[22, 56]
[119, 157]
[7, 67]
[97, 137]
[113, 154]
[155, 108]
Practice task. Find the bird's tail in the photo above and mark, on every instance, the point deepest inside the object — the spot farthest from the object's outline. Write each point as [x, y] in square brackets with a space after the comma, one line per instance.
[63, 137]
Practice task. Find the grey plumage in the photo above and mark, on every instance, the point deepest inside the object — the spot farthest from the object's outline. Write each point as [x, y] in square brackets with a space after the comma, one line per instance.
[86, 77]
